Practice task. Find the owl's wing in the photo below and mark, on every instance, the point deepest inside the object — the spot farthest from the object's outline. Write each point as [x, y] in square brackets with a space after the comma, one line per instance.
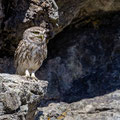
[17, 53]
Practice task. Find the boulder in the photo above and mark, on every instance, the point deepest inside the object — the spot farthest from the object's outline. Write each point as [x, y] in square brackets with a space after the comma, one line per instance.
[19, 97]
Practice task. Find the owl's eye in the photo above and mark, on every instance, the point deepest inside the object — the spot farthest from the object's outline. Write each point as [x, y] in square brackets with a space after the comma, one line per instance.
[35, 32]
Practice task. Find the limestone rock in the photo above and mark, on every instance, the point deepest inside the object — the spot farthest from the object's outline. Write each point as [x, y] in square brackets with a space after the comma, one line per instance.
[105, 107]
[19, 97]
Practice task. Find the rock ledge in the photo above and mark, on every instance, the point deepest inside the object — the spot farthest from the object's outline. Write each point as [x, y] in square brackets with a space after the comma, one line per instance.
[19, 97]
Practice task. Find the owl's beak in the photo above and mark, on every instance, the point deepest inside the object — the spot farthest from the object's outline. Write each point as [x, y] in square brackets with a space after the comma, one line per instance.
[41, 37]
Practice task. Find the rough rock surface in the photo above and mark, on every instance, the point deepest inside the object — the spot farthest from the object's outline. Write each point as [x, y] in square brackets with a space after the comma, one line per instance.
[105, 107]
[19, 97]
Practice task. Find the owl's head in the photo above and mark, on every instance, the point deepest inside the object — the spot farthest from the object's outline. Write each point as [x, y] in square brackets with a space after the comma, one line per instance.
[35, 34]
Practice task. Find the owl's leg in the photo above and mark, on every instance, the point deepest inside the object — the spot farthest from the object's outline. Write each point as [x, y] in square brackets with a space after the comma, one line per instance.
[33, 76]
[27, 74]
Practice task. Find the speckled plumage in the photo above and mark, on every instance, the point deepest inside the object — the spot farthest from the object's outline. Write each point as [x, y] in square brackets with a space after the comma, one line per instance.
[31, 51]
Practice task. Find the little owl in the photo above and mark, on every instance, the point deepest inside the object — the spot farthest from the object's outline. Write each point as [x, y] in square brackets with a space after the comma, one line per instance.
[31, 52]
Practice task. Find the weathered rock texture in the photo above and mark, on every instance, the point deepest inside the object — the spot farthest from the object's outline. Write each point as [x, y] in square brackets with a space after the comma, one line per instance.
[19, 97]
[105, 107]
[83, 64]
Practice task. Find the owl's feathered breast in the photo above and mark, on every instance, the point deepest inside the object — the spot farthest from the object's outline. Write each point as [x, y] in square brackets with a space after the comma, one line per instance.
[30, 52]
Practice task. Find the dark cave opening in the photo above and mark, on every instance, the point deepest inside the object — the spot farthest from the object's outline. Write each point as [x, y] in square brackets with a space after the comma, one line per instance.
[102, 42]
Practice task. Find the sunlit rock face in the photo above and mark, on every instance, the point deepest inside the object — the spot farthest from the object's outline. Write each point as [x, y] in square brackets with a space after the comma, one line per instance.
[19, 97]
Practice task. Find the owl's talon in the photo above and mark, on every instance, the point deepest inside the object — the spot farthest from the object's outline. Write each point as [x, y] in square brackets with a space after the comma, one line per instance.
[26, 77]
[34, 77]
[27, 74]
